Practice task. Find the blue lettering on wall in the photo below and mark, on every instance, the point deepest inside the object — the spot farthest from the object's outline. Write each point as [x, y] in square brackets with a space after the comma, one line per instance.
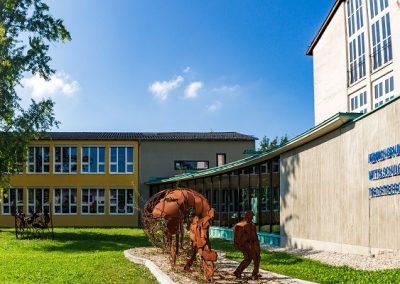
[384, 154]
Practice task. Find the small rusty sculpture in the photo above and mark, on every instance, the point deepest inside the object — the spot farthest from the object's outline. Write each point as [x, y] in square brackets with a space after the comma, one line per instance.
[167, 213]
[201, 245]
[246, 240]
[33, 226]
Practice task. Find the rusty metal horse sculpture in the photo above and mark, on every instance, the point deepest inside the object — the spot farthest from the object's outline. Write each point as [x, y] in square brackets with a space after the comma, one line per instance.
[174, 209]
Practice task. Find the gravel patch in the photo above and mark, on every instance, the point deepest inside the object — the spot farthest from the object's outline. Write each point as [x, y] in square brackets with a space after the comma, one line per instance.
[362, 262]
[223, 274]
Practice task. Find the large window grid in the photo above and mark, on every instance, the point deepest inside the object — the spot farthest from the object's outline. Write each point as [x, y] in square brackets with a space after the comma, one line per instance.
[359, 102]
[38, 200]
[65, 158]
[121, 159]
[93, 159]
[12, 201]
[121, 201]
[381, 35]
[38, 159]
[92, 201]
[65, 201]
[356, 40]
[383, 90]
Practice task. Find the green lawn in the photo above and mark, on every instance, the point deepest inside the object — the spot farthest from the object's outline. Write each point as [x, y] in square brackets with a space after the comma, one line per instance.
[311, 270]
[75, 256]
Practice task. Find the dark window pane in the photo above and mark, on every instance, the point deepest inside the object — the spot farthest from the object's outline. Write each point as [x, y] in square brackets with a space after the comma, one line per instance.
[101, 154]
[121, 159]
[93, 159]
[113, 157]
[129, 154]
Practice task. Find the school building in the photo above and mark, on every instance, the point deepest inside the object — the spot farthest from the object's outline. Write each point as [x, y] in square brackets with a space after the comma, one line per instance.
[97, 178]
[336, 186]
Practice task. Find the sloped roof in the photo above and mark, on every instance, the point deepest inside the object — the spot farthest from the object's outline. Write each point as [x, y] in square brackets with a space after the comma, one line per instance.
[151, 136]
[324, 26]
[321, 129]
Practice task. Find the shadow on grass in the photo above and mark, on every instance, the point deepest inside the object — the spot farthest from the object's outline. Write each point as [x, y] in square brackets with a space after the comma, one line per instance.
[267, 258]
[95, 241]
[81, 240]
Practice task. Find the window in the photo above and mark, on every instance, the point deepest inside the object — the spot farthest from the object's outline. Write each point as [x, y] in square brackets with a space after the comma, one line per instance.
[65, 158]
[93, 159]
[38, 200]
[381, 35]
[191, 165]
[121, 159]
[383, 90]
[12, 201]
[275, 166]
[221, 159]
[121, 201]
[38, 159]
[92, 201]
[359, 102]
[355, 24]
[65, 201]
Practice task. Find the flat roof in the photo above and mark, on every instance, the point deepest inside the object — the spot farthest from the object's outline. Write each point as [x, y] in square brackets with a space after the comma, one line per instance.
[321, 129]
[150, 136]
[325, 24]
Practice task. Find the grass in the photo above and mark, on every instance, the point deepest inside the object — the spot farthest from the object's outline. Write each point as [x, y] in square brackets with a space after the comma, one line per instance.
[75, 256]
[311, 270]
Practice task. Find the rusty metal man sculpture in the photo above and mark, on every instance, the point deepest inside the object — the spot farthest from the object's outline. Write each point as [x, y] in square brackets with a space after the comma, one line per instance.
[176, 208]
[246, 240]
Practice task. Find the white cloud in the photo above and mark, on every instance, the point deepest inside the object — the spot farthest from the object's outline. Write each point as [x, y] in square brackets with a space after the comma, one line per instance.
[192, 90]
[226, 89]
[187, 69]
[215, 106]
[161, 89]
[59, 83]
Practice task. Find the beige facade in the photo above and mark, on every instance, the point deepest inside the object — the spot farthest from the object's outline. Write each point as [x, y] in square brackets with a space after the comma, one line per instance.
[156, 158]
[333, 86]
[325, 201]
[330, 70]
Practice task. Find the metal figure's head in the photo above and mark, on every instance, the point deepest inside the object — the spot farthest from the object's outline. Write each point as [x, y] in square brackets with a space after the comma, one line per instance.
[248, 216]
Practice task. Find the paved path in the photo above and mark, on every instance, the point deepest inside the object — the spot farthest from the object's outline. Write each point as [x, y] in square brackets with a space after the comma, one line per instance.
[223, 274]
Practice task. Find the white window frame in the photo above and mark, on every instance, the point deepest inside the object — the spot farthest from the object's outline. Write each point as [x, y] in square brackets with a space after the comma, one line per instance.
[29, 163]
[126, 159]
[356, 41]
[34, 189]
[98, 159]
[126, 201]
[98, 204]
[383, 45]
[19, 202]
[70, 164]
[385, 83]
[60, 203]
[358, 101]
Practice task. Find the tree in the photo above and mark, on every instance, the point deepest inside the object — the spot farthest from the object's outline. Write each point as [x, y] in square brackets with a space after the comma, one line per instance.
[26, 31]
[266, 144]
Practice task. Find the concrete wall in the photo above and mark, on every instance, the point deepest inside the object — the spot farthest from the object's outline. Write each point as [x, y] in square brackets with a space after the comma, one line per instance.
[330, 69]
[156, 158]
[325, 201]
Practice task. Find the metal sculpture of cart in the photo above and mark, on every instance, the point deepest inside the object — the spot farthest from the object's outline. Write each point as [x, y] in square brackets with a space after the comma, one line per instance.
[35, 226]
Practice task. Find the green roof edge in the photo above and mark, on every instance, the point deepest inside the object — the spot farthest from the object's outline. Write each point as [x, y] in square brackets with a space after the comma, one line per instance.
[351, 116]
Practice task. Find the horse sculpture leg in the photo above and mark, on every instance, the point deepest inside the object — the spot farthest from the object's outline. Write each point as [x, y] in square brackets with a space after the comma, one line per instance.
[176, 245]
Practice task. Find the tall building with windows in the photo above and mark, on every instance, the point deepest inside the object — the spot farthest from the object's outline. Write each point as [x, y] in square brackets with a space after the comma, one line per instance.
[356, 57]
[97, 179]
[339, 182]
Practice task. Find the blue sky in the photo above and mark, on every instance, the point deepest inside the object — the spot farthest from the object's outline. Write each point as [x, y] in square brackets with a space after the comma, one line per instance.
[159, 65]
